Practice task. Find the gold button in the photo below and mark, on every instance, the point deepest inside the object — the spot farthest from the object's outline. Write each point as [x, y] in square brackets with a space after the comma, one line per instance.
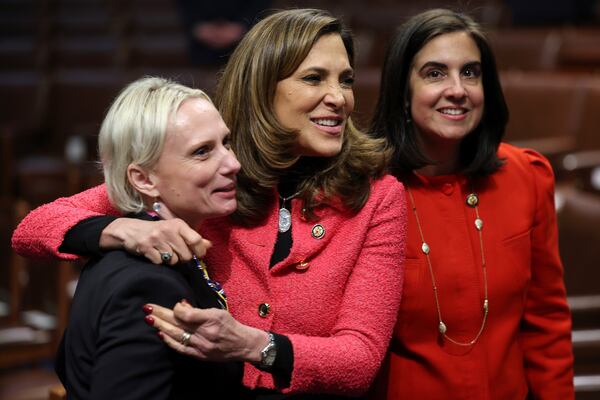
[302, 265]
[263, 309]
[472, 200]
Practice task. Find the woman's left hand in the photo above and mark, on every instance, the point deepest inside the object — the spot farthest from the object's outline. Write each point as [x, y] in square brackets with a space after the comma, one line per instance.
[214, 334]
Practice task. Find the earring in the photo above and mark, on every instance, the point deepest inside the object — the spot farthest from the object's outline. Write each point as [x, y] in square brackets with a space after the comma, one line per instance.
[156, 206]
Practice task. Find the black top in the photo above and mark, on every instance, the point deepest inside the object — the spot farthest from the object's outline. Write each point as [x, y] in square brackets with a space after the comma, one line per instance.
[108, 351]
[84, 239]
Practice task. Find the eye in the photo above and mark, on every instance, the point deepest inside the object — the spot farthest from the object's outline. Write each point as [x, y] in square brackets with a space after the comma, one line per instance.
[202, 151]
[348, 81]
[434, 74]
[312, 78]
[472, 71]
[227, 142]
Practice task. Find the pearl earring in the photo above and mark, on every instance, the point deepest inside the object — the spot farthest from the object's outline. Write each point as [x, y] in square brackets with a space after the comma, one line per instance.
[156, 206]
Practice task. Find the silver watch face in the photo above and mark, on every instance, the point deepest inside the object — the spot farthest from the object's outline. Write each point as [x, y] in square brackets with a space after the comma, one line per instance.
[268, 354]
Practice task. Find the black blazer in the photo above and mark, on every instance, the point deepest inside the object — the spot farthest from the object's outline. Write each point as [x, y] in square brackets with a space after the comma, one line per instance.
[109, 352]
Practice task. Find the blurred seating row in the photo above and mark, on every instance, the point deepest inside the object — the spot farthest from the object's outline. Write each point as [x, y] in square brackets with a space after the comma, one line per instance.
[38, 34]
[48, 34]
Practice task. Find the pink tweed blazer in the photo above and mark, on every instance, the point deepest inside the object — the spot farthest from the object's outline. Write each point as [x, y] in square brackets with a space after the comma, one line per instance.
[335, 297]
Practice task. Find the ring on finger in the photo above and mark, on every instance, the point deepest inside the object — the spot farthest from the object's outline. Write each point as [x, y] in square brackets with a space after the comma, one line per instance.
[165, 257]
[185, 338]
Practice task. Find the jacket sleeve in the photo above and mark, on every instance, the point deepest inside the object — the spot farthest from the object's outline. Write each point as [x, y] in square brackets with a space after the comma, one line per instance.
[546, 327]
[42, 231]
[131, 362]
[347, 361]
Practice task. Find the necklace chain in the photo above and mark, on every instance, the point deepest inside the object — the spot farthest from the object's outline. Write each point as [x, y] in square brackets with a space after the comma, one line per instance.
[442, 327]
[284, 199]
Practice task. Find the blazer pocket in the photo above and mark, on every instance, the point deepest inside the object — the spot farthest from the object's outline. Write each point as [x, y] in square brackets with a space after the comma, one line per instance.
[516, 260]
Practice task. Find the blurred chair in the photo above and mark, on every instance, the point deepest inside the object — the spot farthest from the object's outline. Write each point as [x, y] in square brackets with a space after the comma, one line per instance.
[580, 50]
[545, 111]
[39, 298]
[534, 49]
[78, 101]
[578, 212]
[95, 52]
[588, 137]
[158, 51]
[57, 392]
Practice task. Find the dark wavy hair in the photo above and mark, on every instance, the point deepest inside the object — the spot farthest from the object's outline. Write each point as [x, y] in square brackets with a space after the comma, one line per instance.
[392, 119]
[271, 51]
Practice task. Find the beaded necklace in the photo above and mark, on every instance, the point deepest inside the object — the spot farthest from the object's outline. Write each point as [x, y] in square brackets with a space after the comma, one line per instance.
[472, 201]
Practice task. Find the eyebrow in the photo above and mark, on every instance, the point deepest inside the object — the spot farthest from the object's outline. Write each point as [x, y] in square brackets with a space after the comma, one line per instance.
[324, 71]
[444, 66]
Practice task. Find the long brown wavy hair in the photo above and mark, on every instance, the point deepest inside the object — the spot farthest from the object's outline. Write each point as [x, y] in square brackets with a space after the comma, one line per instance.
[271, 51]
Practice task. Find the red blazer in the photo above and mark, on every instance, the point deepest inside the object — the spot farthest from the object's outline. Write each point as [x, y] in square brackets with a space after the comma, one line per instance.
[335, 297]
[526, 344]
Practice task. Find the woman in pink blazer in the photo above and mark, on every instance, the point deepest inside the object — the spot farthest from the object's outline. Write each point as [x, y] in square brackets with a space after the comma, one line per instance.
[314, 254]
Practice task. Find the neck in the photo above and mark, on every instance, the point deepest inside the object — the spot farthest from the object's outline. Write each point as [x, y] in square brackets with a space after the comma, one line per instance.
[444, 156]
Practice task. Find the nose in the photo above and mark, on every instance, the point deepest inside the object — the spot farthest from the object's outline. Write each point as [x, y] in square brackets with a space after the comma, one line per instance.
[335, 96]
[456, 89]
[230, 164]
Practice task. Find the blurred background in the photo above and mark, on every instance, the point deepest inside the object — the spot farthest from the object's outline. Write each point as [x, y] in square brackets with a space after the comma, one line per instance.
[63, 61]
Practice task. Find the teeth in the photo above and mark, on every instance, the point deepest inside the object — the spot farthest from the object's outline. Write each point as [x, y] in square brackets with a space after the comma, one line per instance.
[452, 111]
[326, 122]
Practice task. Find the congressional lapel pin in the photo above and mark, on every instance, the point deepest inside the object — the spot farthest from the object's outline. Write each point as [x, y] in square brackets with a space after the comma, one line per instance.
[318, 231]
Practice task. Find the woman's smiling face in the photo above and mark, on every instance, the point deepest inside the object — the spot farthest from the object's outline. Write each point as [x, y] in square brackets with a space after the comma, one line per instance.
[446, 89]
[317, 99]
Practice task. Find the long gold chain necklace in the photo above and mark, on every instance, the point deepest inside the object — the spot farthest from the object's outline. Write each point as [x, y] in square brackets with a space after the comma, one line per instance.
[472, 201]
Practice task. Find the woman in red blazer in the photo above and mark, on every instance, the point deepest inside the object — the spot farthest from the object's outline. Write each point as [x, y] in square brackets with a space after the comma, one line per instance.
[314, 253]
[484, 312]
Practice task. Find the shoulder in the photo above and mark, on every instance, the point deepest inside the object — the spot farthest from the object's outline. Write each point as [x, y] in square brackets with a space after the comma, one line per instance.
[527, 161]
[385, 187]
[121, 273]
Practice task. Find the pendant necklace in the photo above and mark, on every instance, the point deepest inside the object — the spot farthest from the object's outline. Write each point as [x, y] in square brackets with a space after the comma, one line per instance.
[285, 217]
[472, 201]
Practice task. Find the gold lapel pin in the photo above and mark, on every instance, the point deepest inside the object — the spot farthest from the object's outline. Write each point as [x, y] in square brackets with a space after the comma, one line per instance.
[318, 231]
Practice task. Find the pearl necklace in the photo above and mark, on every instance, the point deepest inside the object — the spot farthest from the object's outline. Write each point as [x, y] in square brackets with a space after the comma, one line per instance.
[285, 217]
[472, 201]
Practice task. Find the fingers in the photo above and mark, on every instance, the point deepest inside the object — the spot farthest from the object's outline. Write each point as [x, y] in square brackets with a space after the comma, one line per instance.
[189, 315]
[151, 238]
[194, 242]
[178, 346]
[161, 313]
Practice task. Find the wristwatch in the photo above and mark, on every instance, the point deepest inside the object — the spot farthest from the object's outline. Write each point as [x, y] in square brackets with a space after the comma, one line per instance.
[268, 354]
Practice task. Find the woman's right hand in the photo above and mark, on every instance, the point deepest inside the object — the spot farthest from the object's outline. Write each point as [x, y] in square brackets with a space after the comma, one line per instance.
[150, 238]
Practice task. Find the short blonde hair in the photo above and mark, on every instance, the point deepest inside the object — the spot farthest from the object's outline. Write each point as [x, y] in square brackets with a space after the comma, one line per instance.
[134, 131]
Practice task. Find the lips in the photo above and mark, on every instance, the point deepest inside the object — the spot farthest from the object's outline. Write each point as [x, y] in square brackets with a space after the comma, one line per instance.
[453, 111]
[329, 124]
[327, 121]
[225, 189]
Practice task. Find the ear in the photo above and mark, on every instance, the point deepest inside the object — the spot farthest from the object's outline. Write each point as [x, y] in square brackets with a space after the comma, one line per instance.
[142, 180]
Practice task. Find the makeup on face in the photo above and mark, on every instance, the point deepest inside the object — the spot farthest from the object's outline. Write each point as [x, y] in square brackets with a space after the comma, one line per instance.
[317, 99]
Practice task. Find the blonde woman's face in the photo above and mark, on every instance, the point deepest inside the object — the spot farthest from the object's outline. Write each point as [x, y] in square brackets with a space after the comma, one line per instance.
[317, 99]
[196, 172]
